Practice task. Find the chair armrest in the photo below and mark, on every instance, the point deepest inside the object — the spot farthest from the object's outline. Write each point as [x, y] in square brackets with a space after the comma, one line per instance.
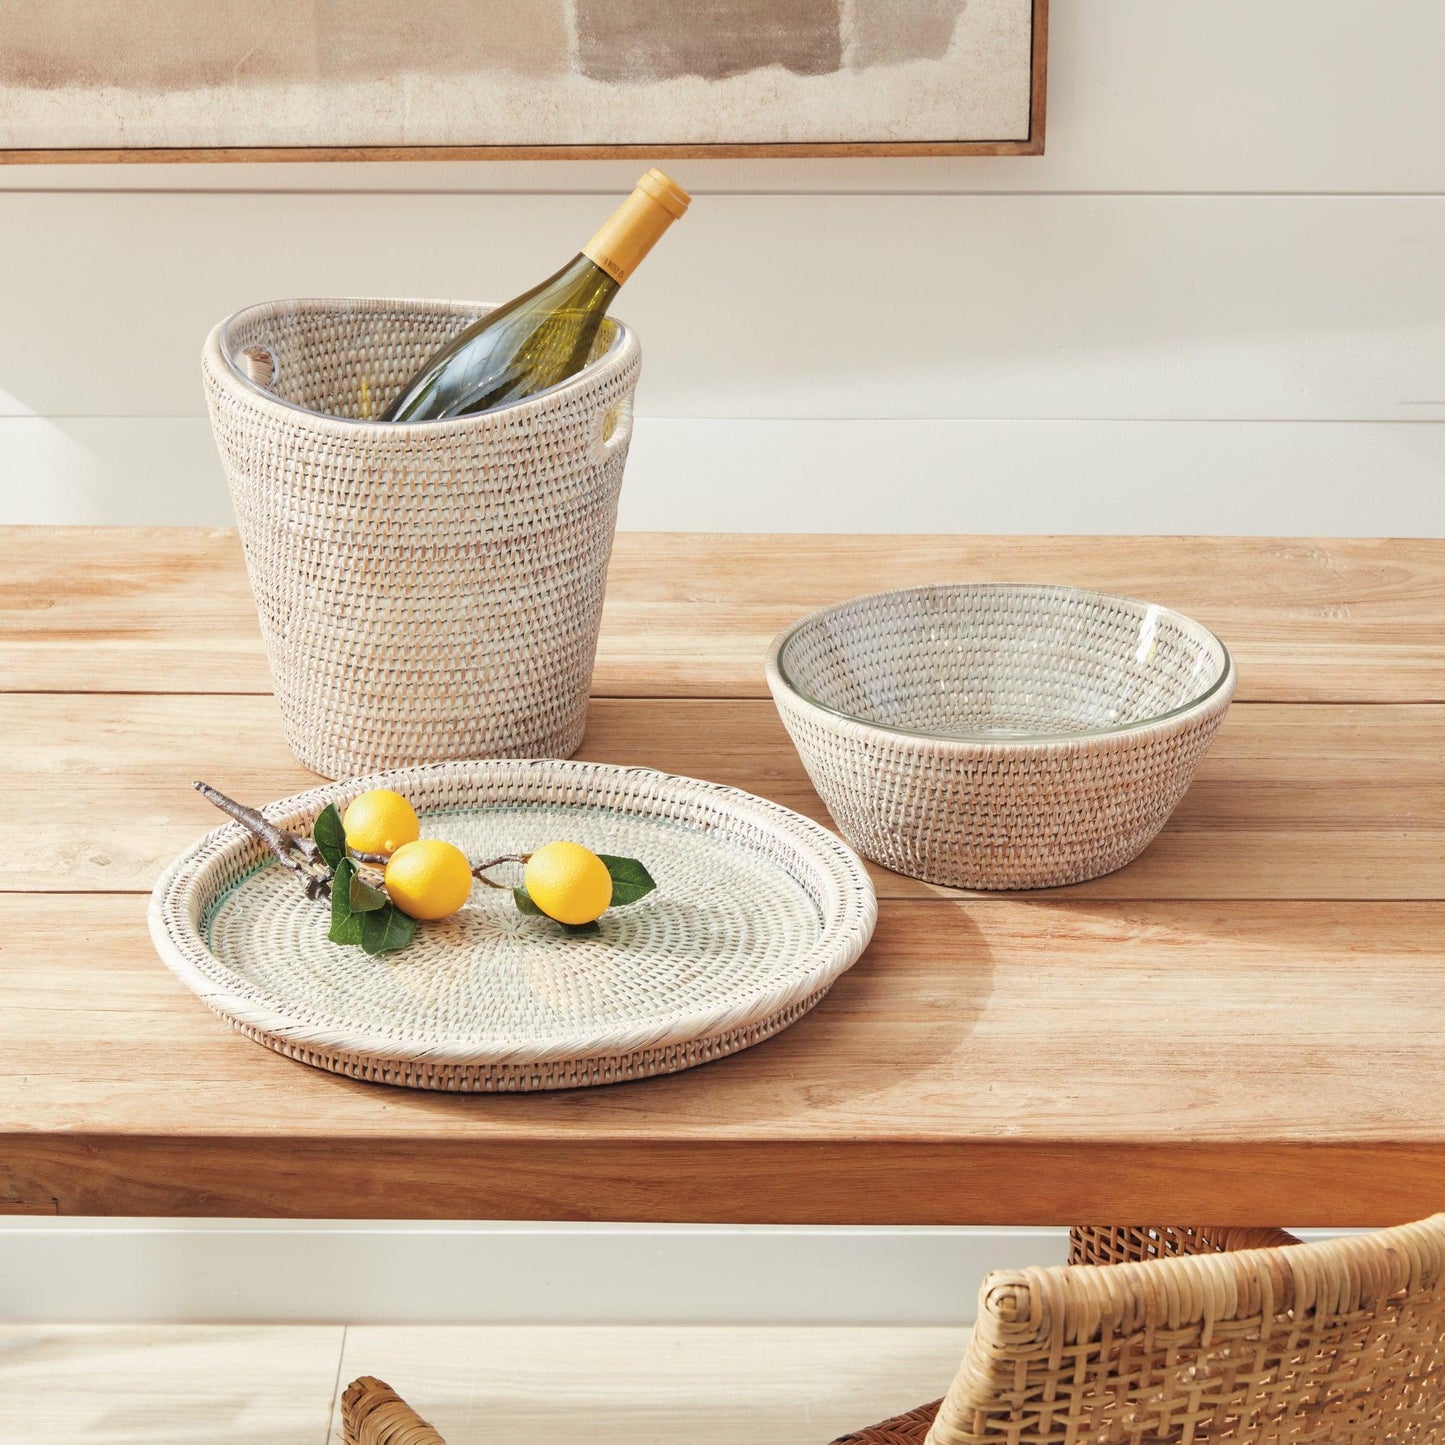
[372, 1413]
[1123, 1244]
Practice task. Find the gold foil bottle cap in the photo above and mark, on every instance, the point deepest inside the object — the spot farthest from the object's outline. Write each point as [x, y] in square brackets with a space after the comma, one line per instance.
[632, 230]
[666, 192]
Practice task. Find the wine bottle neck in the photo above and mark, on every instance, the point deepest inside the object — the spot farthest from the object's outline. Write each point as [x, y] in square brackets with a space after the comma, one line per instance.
[632, 230]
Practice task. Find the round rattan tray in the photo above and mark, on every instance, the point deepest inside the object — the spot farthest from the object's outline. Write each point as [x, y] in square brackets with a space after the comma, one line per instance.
[756, 913]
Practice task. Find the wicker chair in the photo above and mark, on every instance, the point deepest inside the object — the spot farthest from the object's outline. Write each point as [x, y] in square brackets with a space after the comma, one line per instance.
[1168, 1336]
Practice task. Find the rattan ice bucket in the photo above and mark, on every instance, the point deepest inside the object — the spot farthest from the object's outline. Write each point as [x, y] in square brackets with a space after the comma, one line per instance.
[425, 591]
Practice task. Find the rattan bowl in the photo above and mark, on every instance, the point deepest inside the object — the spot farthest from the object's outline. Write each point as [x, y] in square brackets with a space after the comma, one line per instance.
[1000, 736]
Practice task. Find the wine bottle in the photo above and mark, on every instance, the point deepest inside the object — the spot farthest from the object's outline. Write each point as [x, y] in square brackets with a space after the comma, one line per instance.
[546, 334]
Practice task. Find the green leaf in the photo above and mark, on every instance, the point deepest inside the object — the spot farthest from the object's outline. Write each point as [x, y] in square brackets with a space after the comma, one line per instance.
[329, 835]
[364, 898]
[386, 930]
[630, 880]
[593, 927]
[525, 905]
[345, 925]
[346, 930]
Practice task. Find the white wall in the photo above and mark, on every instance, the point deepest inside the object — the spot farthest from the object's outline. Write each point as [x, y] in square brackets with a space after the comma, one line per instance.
[1217, 304]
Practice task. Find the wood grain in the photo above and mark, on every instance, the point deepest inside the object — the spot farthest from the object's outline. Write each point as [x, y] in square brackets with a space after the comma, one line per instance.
[689, 615]
[1241, 1025]
[1002, 1060]
[190, 155]
[1293, 801]
[274, 1385]
[608, 1386]
[1307, 621]
[167, 1385]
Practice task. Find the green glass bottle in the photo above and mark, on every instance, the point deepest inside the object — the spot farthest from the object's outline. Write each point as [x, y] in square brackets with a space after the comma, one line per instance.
[546, 334]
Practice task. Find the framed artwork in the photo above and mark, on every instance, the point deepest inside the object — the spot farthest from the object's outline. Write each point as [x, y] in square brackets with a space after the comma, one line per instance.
[113, 80]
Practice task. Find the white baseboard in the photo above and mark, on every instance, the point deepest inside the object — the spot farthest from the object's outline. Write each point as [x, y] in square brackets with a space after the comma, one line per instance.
[243, 1271]
[203, 1271]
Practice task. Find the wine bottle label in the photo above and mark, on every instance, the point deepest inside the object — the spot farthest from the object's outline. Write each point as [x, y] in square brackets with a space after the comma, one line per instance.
[632, 230]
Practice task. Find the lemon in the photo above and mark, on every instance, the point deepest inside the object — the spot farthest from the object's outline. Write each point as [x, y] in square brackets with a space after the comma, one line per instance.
[380, 821]
[428, 878]
[568, 882]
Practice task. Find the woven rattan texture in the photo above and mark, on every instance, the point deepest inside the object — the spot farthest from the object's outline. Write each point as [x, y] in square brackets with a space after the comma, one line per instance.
[1337, 1343]
[428, 591]
[372, 1413]
[909, 1429]
[757, 911]
[1000, 737]
[1105, 1244]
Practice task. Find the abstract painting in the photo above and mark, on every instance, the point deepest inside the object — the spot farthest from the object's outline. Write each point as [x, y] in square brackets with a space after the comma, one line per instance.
[519, 77]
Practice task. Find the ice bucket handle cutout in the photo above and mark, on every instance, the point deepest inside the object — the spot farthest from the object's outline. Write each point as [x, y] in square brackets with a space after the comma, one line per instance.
[615, 429]
[257, 364]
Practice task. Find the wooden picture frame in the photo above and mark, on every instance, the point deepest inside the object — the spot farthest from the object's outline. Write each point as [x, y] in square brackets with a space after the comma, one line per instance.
[1031, 144]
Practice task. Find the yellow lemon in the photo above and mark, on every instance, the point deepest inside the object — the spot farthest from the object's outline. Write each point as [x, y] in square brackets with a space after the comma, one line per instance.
[380, 822]
[568, 882]
[428, 878]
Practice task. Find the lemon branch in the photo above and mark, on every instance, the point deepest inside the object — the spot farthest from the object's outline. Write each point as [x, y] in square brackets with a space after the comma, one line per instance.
[573, 886]
[299, 855]
[375, 861]
[479, 870]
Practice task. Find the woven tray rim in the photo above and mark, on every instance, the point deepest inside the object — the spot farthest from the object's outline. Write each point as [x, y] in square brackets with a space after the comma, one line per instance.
[842, 940]
[623, 352]
[1129, 735]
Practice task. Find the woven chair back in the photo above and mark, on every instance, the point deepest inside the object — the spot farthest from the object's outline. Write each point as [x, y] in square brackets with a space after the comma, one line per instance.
[1334, 1343]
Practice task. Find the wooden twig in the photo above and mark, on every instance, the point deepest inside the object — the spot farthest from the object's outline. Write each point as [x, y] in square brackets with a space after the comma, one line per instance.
[299, 855]
[479, 870]
[505, 858]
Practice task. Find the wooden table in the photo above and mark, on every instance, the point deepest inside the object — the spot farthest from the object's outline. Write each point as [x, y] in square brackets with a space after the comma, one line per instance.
[1247, 1024]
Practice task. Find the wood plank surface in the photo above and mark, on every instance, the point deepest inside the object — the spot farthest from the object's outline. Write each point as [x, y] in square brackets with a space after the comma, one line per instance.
[1240, 1025]
[1292, 801]
[642, 1386]
[986, 1061]
[688, 615]
[169, 1385]
[545, 1385]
